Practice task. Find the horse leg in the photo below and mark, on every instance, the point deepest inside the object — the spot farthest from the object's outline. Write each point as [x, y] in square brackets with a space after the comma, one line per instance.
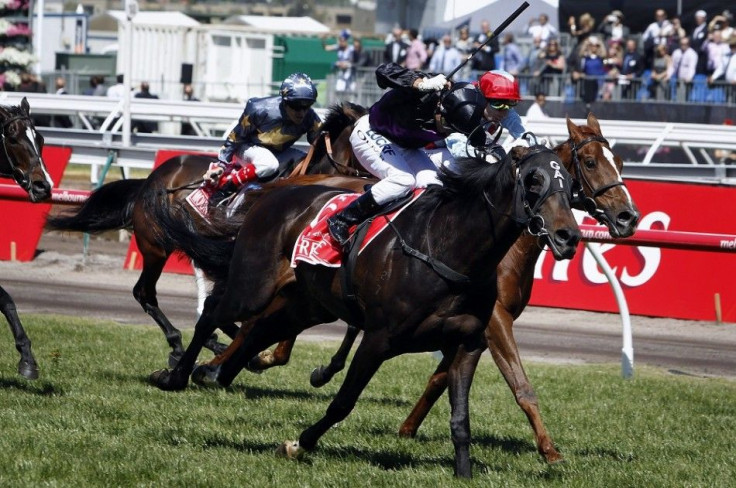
[436, 386]
[505, 353]
[368, 358]
[178, 378]
[267, 359]
[459, 379]
[144, 292]
[323, 374]
[27, 365]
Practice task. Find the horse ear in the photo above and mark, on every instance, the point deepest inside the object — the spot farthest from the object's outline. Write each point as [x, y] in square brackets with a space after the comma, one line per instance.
[518, 152]
[593, 123]
[25, 106]
[573, 130]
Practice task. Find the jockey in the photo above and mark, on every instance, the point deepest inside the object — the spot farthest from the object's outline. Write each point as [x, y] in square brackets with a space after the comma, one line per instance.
[388, 141]
[263, 137]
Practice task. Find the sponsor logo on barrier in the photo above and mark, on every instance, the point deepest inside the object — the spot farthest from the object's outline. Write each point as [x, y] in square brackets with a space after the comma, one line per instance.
[728, 244]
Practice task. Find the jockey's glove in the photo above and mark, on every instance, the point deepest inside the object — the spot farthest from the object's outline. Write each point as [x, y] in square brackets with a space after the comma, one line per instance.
[213, 173]
[497, 152]
[432, 84]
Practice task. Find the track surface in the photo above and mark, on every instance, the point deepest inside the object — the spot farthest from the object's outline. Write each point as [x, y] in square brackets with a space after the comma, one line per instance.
[62, 281]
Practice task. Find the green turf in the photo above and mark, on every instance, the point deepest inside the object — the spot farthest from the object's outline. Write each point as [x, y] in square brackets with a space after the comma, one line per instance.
[92, 419]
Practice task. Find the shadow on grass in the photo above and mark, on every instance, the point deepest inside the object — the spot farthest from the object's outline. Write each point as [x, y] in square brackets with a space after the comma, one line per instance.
[602, 452]
[257, 393]
[43, 388]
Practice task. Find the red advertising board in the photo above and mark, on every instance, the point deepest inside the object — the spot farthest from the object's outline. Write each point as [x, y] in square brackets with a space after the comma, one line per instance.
[21, 223]
[657, 282]
[176, 263]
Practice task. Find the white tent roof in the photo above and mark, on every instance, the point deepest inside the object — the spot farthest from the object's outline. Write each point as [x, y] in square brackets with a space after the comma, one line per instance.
[147, 17]
[456, 11]
[279, 24]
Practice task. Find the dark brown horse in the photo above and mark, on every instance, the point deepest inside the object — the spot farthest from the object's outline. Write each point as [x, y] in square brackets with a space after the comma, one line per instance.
[127, 204]
[601, 191]
[436, 294]
[20, 159]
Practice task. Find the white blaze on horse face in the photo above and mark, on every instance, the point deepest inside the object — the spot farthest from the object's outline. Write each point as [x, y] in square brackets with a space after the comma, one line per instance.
[611, 159]
[31, 136]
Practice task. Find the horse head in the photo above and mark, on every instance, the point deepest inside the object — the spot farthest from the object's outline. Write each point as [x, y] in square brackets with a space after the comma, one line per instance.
[20, 158]
[333, 152]
[597, 170]
[542, 199]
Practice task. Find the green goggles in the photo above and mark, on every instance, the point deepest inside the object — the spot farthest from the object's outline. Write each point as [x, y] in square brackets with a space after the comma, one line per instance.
[506, 105]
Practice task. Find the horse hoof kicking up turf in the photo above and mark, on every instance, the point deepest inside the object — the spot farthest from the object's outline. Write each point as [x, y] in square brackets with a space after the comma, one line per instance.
[290, 450]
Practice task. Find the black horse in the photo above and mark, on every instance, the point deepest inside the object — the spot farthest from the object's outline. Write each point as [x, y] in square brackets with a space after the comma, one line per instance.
[415, 288]
[129, 204]
[20, 159]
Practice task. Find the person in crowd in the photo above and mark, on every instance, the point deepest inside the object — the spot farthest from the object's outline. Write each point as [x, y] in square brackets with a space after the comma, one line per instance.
[554, 64]
[632, 68]
[674, 32]
[513, 60]
[188, 95]
[542, 28]
[590, 70]
[32, 84]
[145, 126]
[63, 121]
[699, 40]
[722, 22]
[582, 28]
[661, 65]
[396, 48]
[410, 115]
[715, 50]
[117, 91]
[684, 62]
[344, 80]
[727, 70]
[612, 29]
[464, 46]
[654, 35]
[612, 64]
[263, 138]
[416, 54]
[534, 61]
[361, 57]
[445, 58]
[485, 59]
[536, 110]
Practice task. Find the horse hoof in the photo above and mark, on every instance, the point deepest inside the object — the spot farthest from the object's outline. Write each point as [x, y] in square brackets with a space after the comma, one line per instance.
[318, 379]
[217, 348]
[407, 432]
[206, 375]
[163, 379]
[28, 370]
[290, 450]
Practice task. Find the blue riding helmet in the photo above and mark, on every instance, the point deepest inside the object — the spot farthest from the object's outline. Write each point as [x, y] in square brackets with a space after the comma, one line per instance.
[298, 86]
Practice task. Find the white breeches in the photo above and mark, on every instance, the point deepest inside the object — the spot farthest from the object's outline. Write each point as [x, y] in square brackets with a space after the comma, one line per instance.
[400, 169]
[265, 161]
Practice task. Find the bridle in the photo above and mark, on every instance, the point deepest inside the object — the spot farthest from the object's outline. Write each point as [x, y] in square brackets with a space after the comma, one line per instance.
[17, 174]
[579, 197]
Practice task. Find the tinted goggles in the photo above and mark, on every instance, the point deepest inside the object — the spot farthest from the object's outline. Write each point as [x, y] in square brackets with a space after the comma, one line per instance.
[502, 105]
[299, 106]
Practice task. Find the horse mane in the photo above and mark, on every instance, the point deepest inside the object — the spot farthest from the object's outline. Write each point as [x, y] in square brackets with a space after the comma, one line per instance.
[475, 177]
[340, 115]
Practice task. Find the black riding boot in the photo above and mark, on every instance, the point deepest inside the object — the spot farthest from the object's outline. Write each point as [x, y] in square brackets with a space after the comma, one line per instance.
[363, 207]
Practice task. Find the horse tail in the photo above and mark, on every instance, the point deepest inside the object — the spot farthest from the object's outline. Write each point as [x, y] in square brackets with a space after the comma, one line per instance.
[176, 231]
[109, 207]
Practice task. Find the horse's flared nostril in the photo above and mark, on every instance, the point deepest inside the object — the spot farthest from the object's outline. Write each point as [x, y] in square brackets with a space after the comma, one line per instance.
[41, 189]
[567, 237]
[626, 222]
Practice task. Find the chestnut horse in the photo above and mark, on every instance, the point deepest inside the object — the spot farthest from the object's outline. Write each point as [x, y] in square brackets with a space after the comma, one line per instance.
[126, 204]
[20, 159]
[601, 191]
[436, 294]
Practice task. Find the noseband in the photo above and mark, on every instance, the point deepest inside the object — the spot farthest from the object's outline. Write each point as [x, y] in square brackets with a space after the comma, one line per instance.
[23, 179]
[579, 196]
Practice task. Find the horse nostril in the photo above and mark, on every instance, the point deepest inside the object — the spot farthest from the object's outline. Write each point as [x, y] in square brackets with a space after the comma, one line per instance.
[41, 187]
[567, 237]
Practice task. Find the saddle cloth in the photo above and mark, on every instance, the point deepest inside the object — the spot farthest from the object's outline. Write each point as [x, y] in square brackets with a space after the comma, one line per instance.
[199, 199]
[316, 246]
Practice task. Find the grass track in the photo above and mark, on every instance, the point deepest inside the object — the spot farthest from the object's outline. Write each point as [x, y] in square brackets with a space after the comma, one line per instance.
[92, 419]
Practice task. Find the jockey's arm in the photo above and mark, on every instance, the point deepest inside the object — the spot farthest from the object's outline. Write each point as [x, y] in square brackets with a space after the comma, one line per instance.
[244, 127]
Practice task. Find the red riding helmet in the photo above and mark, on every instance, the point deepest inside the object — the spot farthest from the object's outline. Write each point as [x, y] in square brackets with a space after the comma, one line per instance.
[499, 85]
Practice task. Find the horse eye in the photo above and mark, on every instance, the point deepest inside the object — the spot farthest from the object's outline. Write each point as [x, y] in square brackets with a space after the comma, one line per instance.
[590, 163]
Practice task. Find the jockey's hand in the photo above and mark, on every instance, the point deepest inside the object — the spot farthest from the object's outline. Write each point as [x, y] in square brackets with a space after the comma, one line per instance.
[497, 152]
[432, 84]
[544, 141]
[213, 173]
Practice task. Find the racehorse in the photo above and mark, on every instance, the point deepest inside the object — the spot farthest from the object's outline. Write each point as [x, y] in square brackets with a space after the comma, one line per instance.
[127, 204]
[20, 159]
[602, 192]
[397, 298]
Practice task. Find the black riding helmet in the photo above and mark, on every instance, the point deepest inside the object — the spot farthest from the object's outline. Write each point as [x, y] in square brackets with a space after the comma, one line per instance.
[462, 108]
